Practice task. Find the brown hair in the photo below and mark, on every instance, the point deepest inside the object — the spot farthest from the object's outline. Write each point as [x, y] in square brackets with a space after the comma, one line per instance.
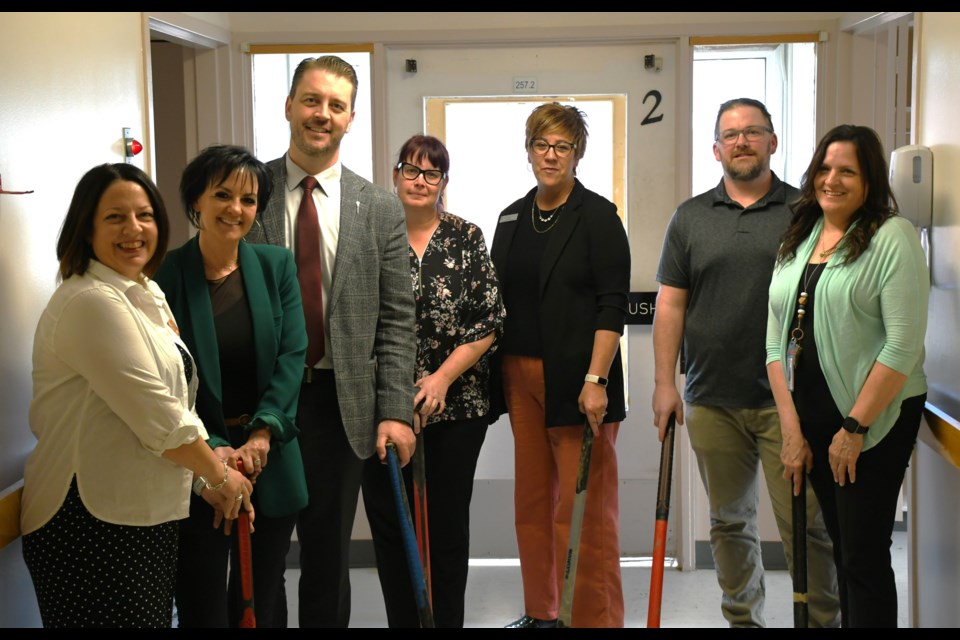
[74, 250]
[741, 102]
[553, 116]
[335, 65]
[879, 204]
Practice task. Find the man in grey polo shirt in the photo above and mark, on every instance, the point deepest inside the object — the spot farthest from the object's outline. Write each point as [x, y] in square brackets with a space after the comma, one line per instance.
[715, 268]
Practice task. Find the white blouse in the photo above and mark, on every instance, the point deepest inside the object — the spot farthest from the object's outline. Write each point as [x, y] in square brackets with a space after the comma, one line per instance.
[109, 397]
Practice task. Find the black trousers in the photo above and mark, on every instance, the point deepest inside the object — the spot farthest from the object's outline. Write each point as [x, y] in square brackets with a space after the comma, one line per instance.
[451, 452]
[325, 525]
[859, 516]
[205, 596]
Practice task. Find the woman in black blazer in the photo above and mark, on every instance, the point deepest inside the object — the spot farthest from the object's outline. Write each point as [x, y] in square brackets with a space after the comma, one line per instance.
[563, 261]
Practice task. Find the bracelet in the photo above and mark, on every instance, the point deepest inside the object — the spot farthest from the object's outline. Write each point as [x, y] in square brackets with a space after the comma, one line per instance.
[219, 485]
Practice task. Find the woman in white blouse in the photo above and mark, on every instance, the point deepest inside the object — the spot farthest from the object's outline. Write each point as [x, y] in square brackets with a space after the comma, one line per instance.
[119, 445]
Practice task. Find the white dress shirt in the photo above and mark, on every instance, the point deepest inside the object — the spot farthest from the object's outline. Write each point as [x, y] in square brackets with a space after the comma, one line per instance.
[109, 397]
[328, 211]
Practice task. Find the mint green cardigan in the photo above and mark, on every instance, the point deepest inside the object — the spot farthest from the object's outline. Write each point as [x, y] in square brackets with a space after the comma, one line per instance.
[873, 310]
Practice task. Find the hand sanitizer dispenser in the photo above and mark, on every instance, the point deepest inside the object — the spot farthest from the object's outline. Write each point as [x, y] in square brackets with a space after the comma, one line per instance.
[911, 178]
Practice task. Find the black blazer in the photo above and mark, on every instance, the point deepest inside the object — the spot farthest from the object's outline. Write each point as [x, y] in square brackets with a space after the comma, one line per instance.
[584, 281]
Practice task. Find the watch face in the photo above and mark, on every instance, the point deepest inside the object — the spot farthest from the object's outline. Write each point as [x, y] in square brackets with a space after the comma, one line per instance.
[853, 426]
[595, 379]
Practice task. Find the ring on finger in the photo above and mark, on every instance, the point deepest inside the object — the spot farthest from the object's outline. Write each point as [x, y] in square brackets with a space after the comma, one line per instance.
[239, 497]
[257, 462]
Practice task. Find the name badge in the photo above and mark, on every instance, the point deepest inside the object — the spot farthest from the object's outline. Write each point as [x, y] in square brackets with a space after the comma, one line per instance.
[510, 217]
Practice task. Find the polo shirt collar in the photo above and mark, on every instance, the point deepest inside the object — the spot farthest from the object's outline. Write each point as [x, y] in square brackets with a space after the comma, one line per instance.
[777, 194]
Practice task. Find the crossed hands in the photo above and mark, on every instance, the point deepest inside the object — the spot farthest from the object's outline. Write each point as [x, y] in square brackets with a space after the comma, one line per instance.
[252, 458]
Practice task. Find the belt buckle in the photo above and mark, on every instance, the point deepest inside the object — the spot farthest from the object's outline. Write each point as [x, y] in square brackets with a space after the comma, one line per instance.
[307, 374]
[240, 421]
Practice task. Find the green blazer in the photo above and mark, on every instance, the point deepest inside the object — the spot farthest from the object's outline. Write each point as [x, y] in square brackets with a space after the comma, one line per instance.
[276, 312]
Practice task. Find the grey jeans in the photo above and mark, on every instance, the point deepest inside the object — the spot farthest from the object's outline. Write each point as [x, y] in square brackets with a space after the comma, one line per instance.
[730, 445]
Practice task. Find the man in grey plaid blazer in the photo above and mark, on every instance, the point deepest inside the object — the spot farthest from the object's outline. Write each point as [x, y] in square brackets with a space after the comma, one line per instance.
[359, 396]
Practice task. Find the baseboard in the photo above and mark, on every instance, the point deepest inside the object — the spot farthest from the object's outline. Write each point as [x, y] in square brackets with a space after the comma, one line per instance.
[362, 555]
[901, 524]
[770, 552]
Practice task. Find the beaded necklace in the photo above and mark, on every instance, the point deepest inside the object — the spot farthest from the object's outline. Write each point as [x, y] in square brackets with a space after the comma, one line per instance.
[549, 219]
[796, 334]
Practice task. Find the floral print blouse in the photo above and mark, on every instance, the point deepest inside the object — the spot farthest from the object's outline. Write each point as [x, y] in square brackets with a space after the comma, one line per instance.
[458, 302]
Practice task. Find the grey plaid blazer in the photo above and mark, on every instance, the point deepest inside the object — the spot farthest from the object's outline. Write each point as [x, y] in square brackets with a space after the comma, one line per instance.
[371, 306]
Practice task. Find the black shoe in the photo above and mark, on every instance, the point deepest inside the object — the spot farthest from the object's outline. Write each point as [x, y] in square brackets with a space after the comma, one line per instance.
[527, 622]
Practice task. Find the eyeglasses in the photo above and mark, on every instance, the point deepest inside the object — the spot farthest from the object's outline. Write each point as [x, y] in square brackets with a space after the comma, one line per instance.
[412, 172]
[751, 134]
[562, 149]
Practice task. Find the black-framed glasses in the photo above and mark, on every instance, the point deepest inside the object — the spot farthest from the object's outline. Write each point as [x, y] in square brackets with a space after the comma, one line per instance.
[750, 134]
[412, 171]
[562, 149]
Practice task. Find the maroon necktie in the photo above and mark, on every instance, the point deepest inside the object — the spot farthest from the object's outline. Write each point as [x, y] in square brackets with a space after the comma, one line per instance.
[308, 270]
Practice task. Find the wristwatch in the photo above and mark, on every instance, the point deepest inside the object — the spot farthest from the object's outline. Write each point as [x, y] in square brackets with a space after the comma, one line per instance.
[595, 379]
[853, 425]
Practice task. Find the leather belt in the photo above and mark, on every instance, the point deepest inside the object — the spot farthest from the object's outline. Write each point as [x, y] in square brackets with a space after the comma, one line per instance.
[242, 421]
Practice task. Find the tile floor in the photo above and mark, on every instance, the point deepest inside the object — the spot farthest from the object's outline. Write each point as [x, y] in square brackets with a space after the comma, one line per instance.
[690, 598]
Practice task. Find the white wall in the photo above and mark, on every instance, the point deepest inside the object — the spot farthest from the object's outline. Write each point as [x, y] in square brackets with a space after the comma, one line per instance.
[70, 83]
[935, 514]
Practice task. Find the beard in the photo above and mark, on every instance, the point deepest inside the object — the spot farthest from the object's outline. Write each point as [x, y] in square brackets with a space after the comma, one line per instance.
[740, 170]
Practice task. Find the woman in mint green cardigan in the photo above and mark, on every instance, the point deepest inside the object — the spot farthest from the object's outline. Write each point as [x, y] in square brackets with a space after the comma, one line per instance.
[845, 336]
[239, 311]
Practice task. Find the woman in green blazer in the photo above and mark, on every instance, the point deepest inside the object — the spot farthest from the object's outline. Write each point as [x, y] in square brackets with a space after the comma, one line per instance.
[238, 308]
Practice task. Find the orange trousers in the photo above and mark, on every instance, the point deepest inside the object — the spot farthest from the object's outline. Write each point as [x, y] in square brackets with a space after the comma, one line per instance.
[546, 463]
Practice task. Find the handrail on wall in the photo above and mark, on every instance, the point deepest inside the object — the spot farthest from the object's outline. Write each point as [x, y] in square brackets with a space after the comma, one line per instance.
[10, 513]
[943, 434]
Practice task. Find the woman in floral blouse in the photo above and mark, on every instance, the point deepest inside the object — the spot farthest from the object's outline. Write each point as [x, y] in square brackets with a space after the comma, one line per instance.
[459, 318]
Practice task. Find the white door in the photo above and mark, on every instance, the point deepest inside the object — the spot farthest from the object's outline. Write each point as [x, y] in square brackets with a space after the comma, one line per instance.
[648, 194]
